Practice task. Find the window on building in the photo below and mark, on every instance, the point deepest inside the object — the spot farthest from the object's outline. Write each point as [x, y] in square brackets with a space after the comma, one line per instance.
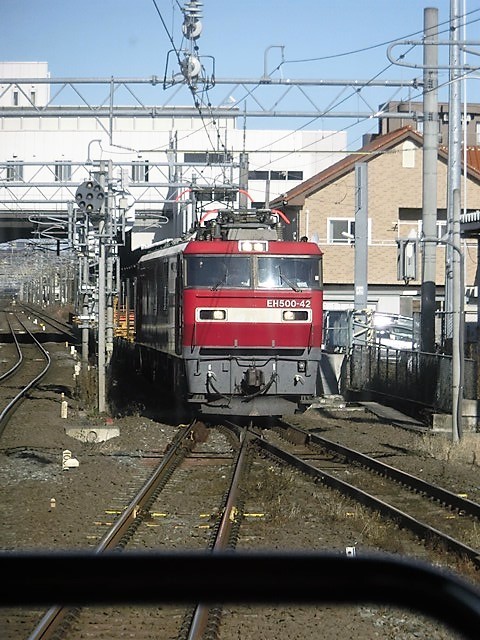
[477, 133]
[410, 219]
[278, 175]
[32, 97]
[275, 175]
[442, 228]
[63, 171]
[294, 175]
[15, 98]
[340, 230]
[258, 175]
[140, 171]
[14, 171]
[204, 158]
[408, 154]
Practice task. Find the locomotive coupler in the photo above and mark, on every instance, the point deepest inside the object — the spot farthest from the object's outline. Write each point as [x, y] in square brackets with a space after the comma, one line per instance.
[253, 380]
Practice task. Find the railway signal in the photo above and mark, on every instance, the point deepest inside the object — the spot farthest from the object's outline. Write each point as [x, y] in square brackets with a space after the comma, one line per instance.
[90, 197]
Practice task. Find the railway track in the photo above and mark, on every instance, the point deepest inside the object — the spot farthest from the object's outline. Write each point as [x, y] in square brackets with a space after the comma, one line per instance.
[270, 503]
[57, 326]
[152, 521]
[445, 518]
[17, 380]
[229, 522]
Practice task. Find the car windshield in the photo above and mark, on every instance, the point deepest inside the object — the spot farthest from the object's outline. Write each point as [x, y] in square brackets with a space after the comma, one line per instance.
[288, 273]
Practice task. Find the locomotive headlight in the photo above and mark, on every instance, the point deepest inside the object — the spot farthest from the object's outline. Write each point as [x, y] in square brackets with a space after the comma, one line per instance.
[247, 246]
[212, 314]
[290, 315]
[301, 366]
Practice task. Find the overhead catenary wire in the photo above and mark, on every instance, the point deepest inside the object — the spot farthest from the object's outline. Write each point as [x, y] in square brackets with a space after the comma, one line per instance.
[199, 100]
[204, 107]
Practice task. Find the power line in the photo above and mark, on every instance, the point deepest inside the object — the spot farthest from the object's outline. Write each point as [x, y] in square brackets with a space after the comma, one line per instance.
[380, 44]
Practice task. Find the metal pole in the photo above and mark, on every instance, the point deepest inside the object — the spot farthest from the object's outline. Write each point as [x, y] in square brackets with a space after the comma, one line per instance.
[430, 160]
[454, 159]
[458, 356]
[84, 287]
[101, 304]
[109, 208]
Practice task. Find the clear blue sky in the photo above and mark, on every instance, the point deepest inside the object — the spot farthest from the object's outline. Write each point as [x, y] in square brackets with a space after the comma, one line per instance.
[126, 38]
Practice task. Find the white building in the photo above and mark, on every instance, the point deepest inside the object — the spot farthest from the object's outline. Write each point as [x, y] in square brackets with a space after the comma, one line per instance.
[23, 95]
[46, 153]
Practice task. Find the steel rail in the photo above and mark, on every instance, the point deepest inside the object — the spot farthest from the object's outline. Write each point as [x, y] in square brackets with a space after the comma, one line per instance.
[404, 520]
[19, 351]
[397, 475]
[240, 577]
[56, 324]
[6, 410]
[131, 516]
[201, 613]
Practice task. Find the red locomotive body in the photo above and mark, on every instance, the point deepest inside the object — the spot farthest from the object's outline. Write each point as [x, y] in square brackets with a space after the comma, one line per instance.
[233, 317]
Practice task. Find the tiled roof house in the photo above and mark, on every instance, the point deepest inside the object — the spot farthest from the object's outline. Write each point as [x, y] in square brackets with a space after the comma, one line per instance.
[323, 208]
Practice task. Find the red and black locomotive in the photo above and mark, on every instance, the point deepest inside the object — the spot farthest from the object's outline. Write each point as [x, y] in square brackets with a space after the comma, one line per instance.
[232, 316]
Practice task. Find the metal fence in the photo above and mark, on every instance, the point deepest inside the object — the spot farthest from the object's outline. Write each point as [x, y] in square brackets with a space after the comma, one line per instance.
[421, 378]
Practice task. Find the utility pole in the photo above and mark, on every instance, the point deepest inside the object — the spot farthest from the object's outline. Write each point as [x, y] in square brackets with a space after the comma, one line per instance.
[430, 160]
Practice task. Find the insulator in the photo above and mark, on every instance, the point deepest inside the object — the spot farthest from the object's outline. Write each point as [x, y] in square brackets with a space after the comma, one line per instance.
[192, 29]
[191, 67]
[193, 9]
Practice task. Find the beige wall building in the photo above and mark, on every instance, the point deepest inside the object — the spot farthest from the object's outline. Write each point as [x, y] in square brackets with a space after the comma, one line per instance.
[323, 208]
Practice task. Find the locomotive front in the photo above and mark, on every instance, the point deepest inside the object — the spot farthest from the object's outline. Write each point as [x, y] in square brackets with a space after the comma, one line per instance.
[252, 318]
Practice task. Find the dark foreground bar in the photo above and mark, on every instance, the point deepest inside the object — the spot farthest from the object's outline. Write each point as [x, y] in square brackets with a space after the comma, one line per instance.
[226, 577]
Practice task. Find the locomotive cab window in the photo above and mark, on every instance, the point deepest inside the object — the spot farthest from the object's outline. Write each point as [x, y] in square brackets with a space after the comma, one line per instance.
[216, 272]
[297, 273]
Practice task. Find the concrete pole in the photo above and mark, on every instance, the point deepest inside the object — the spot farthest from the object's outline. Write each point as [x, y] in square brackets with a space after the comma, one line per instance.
[243, 181]
[430, 160]
[360, 296]
[361, 236]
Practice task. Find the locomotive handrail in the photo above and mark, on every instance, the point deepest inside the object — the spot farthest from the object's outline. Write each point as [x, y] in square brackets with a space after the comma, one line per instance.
[82, 578]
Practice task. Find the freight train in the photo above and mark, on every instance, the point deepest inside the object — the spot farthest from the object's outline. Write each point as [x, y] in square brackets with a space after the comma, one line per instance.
[230, 318]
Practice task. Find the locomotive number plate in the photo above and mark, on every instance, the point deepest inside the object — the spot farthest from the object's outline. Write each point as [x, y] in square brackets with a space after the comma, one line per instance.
[289, 303]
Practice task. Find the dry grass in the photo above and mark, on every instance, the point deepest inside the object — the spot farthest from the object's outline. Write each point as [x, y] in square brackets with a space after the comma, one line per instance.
[466, 451]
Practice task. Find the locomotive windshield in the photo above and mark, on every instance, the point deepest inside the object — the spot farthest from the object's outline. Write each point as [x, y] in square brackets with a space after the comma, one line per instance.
[279, 272]
[272, 272]
[218, 271]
